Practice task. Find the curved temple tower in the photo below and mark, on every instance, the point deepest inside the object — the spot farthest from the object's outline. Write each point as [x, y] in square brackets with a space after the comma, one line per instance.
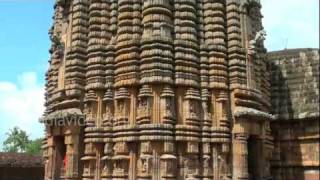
[157, 90]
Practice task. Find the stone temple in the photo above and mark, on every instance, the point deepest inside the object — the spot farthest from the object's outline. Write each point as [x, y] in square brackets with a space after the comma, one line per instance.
[159, 90]
[295, 102]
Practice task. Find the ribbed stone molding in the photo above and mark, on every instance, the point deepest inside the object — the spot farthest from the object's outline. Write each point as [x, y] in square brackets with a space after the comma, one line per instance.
[157, 90]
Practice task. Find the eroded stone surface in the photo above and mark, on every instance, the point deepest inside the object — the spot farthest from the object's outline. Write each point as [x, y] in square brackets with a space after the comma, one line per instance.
[295, 101]
[170, 90]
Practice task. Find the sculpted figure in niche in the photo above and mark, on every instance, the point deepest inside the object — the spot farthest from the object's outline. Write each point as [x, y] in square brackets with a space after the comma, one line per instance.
[192, 109]
[257, 41]
[105, 168]
[190, 165]
[108, 148]
[260, 37]
[86, 169]
[224, 109]
[142, 167]
[146, 164]
[87, 112]
[223, 167]
[145, 147]
[119, 166]
[92, 110]
[170, 166]
[108, 114]
[116, 167]
[168, 107]
[207, 170]
[186, 166]
[120, 147]
[205, 107]
[121, 108]
[144, 105]
[267, 169]
[206, 162]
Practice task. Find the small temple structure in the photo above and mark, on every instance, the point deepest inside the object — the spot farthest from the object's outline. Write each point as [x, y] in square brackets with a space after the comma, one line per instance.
[295, 102]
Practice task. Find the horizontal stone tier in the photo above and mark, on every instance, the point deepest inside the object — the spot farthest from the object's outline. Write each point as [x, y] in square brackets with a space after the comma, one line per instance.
[156, 132]
[248, 93]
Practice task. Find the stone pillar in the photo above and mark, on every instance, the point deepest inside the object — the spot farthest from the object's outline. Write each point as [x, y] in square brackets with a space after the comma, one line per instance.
[72, 154]
[191, 161]
[168, 162]
[240, 157]
[206, 162]
[145, 163]
[51, 158]
[121, 161]
[215, 162]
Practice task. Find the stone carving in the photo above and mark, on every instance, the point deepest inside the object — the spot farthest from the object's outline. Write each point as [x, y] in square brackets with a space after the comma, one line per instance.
[146, 147]
[260, 37]
[206, 161]
[146, 164]
[169, 107]
[167, 104]
[157, 80]
[118, 168]
[223, 167]
[144, 109]
[108, 114]
[207, 165]
[121, 110]
[257, 41]
[190, 164]
[207, 114]
[120, 147]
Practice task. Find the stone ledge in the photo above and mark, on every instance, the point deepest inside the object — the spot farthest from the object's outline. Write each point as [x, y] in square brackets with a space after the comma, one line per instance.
[252, 113]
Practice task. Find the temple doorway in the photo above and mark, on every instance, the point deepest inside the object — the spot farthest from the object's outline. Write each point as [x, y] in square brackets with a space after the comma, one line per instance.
[60, 157]
[254, 157]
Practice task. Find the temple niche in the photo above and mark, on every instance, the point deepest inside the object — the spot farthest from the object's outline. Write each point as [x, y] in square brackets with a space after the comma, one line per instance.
[157, 90]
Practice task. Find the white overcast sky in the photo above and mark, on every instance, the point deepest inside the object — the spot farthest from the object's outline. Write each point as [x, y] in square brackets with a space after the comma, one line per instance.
[291, 23]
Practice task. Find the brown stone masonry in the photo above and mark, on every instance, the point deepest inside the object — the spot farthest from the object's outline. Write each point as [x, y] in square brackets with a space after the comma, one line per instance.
[158, 90]
[295, 101]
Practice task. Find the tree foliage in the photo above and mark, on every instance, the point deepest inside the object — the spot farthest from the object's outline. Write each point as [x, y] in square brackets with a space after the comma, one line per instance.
[34, 147]
[18, 141]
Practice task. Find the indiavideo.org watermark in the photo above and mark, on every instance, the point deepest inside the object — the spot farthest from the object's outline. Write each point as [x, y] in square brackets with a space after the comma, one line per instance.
[64, 120]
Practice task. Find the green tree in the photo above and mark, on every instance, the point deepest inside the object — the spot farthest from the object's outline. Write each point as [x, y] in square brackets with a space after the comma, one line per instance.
[16, 141]
[34, 146]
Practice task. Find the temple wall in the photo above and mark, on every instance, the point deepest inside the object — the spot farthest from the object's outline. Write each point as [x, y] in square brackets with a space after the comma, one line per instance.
[163, 89]
[21, 173]
[295, 100]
